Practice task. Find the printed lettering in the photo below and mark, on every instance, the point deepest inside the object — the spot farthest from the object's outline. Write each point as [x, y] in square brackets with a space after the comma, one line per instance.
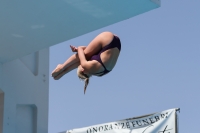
[116, 126]
[123, 125]
[94, 129]
[151, 120]
[127, 125]
[89, 130]
[157, 118]
[133, 123]
[163, 115]
[100, 128]
[110, 127]
[139, 122]
[145, 122]
[106, 127]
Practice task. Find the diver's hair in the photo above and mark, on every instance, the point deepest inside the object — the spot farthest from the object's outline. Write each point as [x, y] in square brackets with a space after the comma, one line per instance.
[83, 77]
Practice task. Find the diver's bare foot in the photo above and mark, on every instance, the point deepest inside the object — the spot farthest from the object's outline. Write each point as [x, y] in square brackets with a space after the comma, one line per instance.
[57, 70]
[57, 77]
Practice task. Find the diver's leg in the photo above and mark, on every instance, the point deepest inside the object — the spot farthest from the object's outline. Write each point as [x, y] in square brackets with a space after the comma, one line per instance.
[61, 67]
[93, 47]
[98, 43]
[68, 69]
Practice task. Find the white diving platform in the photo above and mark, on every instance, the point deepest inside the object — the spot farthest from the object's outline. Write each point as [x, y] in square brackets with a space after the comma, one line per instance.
[29, 26]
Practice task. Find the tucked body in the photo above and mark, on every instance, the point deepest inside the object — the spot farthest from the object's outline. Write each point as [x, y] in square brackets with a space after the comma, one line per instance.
[98, 58]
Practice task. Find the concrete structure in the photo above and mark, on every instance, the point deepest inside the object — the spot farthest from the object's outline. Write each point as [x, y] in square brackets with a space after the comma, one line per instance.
[28, 29]
[25, 87]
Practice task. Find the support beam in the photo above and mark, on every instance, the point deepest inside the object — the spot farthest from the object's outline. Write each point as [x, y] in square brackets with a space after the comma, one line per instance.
[26, 91]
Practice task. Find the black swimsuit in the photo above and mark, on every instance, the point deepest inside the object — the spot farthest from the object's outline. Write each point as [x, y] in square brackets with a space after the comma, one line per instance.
[115, 43]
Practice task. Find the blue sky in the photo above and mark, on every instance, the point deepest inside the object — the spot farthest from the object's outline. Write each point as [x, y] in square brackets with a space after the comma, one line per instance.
[158, 69]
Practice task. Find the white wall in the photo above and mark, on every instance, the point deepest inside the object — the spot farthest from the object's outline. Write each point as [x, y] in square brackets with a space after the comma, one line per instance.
[1, 101]
[0, 74]
[26, 89]
[1, 110]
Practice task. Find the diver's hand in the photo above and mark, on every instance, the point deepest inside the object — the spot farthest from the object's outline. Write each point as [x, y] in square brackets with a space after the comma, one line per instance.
[74, 49]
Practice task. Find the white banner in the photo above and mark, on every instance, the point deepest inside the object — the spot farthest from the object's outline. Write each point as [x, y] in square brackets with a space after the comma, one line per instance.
[161, 122]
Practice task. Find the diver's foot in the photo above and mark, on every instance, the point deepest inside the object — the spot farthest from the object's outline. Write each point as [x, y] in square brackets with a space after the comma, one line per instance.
[57, 70]
[57, 77]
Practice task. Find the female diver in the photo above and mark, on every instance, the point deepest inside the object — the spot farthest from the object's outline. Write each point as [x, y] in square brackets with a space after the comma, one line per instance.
[97, 59]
